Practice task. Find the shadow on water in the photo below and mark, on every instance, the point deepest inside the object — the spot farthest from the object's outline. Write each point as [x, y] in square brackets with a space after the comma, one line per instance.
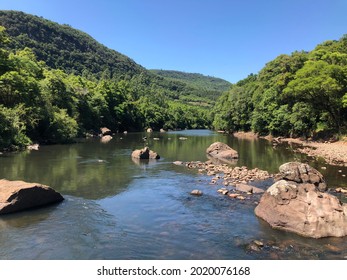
[118, 208]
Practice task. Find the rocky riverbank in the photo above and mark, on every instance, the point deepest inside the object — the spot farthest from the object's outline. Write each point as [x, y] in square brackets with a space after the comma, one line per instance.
[334, 153]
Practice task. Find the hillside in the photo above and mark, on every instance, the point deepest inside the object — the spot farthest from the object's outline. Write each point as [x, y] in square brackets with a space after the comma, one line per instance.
[64, 47]
[58, 83]
[75, 52]
[195, 80]
[203, 86]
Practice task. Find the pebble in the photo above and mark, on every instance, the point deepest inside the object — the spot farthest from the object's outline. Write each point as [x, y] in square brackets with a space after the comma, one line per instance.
[196, 192]
[258, 243]
[233, 195]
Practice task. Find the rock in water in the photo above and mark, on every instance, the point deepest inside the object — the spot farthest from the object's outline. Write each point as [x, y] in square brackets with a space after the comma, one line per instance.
[196, 192]
[297, 204]
[302, 173]
[106, 139]
[105, 131]
[221, 151]
[145, 153]
[19, 195]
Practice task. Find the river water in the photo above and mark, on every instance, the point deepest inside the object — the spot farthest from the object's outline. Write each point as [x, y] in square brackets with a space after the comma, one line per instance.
[116, 208]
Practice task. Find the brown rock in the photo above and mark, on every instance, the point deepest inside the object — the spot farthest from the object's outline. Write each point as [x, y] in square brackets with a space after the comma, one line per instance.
[233, 195]
[196, 192]
[18, 195]
[303, 209]
[145, 153]
[105, 131]
[106, 139]
[220, 150]
[243, 188]
[257, 190]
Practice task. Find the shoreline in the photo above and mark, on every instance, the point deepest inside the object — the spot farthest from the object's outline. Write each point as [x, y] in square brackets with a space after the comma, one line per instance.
[334, 153]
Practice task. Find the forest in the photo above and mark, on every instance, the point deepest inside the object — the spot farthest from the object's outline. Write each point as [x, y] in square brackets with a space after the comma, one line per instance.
[300, 95]
[58, 83]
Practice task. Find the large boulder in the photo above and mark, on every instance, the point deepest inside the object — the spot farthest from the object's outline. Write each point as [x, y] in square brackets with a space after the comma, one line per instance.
[222, 151]
[295, 203]
[145, 153]
[19, 195]
[302, 173]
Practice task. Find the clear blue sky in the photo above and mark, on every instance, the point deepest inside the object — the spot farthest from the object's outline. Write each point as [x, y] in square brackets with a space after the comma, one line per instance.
[223, 38]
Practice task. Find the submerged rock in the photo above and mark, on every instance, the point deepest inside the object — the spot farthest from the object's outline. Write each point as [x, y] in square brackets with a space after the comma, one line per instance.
[19, 195]
[296, 203]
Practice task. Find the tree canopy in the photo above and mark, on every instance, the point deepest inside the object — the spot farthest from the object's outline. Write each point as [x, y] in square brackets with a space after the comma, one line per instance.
[302, 94]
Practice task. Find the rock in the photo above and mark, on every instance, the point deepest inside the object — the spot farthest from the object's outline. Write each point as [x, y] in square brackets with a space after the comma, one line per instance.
[302, 173]
[162, 130]
[33, 147]
[341, 190]
[106, 139]
[182, 138]
[19, 195]
[303, 209]
[258, 243]
[221, 151]
[145, 153]
[244, 188]
[196, 192]
[233, 195]
[125, 132]
[149, 130]
[178, 162]
[105, 131]
[257, 190]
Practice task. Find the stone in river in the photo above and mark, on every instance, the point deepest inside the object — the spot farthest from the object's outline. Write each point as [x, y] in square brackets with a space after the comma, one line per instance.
[19, 195]
[196, 192]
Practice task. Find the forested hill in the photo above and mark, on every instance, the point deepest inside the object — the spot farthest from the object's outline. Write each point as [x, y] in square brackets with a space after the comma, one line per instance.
[211, 86]
[301, 94]
[58, 83]
[63, 47]
[75, 52]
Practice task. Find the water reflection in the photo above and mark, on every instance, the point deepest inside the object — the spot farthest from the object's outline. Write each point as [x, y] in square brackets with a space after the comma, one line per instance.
[118, 208]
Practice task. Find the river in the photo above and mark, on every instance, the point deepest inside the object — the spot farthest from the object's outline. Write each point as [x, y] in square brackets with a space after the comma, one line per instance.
[116, 208]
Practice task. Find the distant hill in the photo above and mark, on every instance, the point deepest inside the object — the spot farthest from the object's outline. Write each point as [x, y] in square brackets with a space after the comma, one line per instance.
[207, 83]
[62, 47]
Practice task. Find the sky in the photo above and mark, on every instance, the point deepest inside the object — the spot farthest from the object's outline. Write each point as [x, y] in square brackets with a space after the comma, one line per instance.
[229, 39]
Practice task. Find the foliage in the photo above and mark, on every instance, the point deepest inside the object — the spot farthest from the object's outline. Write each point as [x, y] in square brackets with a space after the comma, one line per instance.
[298, 94]
[39, 103]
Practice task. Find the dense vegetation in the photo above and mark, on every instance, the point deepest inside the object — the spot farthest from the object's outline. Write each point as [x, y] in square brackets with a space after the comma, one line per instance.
[57, 83]
[201, 87]
[302, 94]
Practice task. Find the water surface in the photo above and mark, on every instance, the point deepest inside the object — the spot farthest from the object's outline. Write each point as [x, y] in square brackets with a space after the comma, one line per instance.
[117, 208]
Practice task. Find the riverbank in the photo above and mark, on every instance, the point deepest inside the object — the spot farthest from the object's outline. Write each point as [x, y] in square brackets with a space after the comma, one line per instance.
[334, 153]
